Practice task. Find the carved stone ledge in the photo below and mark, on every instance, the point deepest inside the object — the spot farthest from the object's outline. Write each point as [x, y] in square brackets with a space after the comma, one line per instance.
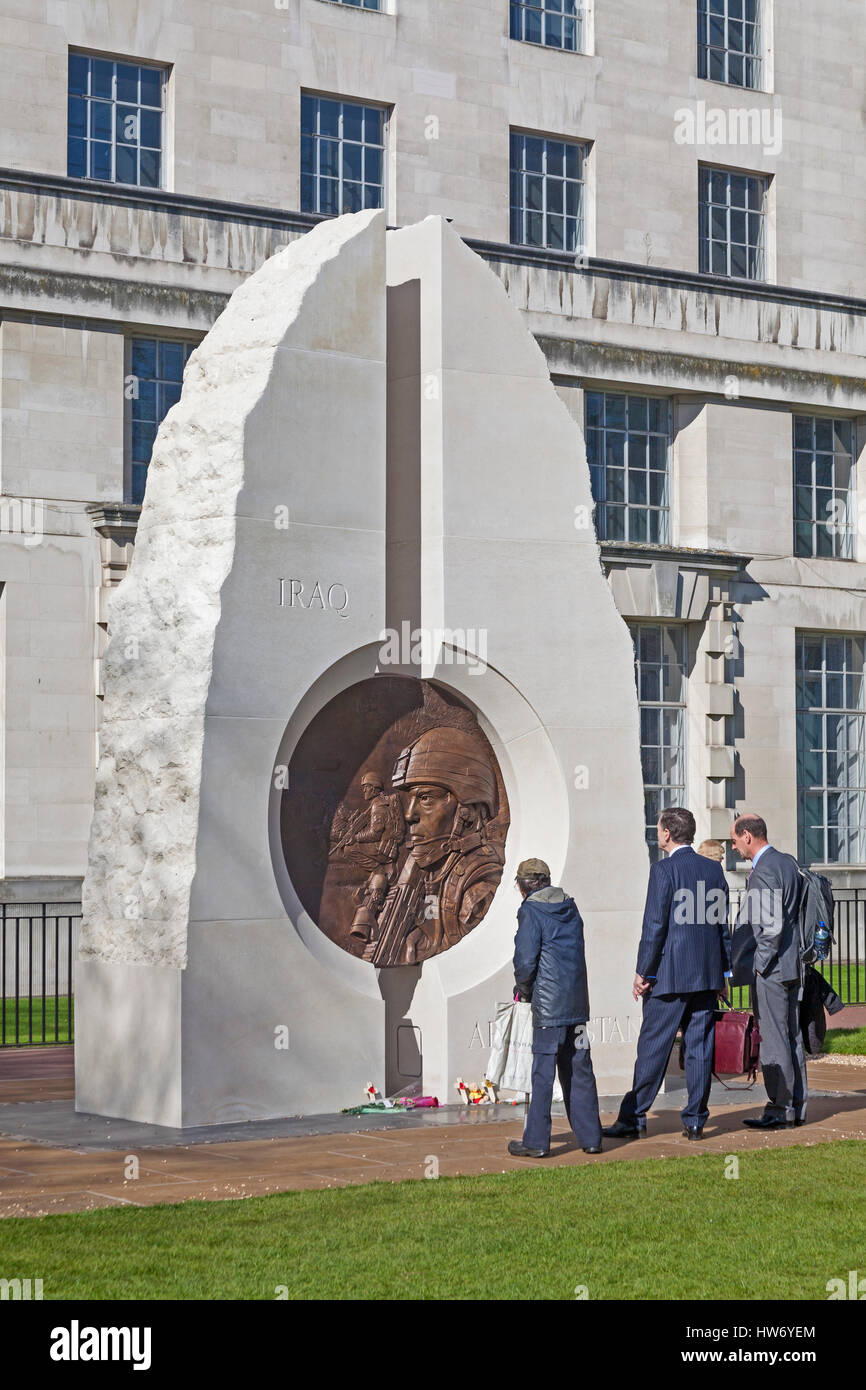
[686, 557]
[118, 521]
[115, 524]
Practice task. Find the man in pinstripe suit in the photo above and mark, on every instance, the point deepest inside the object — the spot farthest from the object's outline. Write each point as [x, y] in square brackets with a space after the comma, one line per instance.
[684, 960]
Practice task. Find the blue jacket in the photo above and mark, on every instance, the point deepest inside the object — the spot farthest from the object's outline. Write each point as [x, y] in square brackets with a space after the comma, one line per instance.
[549, 962]
[685, 944]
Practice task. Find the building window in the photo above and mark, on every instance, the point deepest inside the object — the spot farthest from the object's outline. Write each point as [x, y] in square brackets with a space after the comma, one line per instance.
[660, 654]
[729, 41]
[628, 446]
[361, 4]
[554, 23]
[831, 753]
[547, 192]
[824, 476]
[115, 123]
[732, 218]
[342, 156]
[157, 374]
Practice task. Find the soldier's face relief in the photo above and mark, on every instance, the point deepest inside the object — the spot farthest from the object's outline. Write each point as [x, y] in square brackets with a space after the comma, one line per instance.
[430, 816]
[371, 858]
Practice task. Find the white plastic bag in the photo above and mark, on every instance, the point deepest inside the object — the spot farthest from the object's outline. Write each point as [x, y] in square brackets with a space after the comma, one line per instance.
[500, 1036]
[517, 1072]
[510, 1064]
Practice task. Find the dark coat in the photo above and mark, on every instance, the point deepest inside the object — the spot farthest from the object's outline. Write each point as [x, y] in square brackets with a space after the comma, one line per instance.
[767, 934]
[549, 961]
[685, 945]
[818, 995]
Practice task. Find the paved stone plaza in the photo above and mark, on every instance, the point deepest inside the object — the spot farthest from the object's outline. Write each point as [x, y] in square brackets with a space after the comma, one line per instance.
[70, 1162]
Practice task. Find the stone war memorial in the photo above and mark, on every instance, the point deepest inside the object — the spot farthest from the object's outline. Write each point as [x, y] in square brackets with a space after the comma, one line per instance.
[348, 688]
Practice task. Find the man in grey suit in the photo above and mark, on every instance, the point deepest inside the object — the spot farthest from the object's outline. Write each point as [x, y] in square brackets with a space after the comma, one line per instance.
[766, 950]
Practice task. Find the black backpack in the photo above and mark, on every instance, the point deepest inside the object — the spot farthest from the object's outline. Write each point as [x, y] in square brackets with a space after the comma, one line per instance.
[816, 905]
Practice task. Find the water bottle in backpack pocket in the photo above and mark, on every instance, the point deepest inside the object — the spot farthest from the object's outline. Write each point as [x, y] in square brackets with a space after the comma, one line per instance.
[816, 917]
[821, 942]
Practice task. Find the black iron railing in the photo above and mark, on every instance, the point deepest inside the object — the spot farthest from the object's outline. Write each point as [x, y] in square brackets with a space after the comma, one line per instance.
[38, 945]
[846, 966]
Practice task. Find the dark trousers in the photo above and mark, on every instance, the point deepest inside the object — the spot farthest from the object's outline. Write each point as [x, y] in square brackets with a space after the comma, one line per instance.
[663, 1015]
[564, 1050]
[783, 1062]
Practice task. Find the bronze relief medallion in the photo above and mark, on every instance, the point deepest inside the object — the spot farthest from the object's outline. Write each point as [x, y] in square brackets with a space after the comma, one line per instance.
[394, 820]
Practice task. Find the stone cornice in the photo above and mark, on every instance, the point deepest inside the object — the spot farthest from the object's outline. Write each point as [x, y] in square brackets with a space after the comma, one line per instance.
[572, 358]
[686, 557]
[190, 205]
[155, 199]
[106, 298]
[117, 521]
[661, 276]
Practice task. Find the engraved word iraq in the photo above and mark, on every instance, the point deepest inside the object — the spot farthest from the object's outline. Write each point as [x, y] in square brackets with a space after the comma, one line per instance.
[336, 597]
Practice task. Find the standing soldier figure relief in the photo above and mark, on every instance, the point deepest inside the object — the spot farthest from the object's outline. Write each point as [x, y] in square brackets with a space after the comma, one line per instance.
[371, 838]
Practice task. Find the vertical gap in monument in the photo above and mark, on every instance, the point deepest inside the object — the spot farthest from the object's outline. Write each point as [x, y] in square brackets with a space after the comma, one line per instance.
[403, 467]
[403, 1054]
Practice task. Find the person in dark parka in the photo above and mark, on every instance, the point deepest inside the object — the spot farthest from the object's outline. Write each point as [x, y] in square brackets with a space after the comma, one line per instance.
[550, 971]
[818, 995]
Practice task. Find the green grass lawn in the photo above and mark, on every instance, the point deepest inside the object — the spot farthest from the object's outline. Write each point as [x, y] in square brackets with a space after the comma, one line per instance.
[850, 1041]
[646, 1229]
[48, 1033]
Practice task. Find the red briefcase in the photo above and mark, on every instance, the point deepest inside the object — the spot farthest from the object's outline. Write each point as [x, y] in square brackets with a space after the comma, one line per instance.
[737, 1045]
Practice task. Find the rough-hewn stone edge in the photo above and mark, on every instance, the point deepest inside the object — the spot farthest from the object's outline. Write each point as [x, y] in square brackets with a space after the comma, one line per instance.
[140, 870]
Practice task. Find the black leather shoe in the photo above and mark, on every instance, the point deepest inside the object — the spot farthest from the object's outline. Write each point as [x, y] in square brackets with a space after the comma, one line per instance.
[518, 1150]
[768, 1122]
[592, 1149]
[693, 1131]
[620, 1130]
[798, 1123]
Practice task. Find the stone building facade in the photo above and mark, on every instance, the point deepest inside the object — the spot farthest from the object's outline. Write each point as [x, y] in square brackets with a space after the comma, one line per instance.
[689, 250]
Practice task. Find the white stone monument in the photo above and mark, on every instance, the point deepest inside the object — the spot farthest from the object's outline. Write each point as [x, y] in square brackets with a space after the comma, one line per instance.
[368, 442]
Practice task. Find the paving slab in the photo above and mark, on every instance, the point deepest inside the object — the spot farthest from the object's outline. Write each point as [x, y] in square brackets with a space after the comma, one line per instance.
[851, 1016]
[56, 1123]
[80, 1163]
[37, 1073]
[22, 1062]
